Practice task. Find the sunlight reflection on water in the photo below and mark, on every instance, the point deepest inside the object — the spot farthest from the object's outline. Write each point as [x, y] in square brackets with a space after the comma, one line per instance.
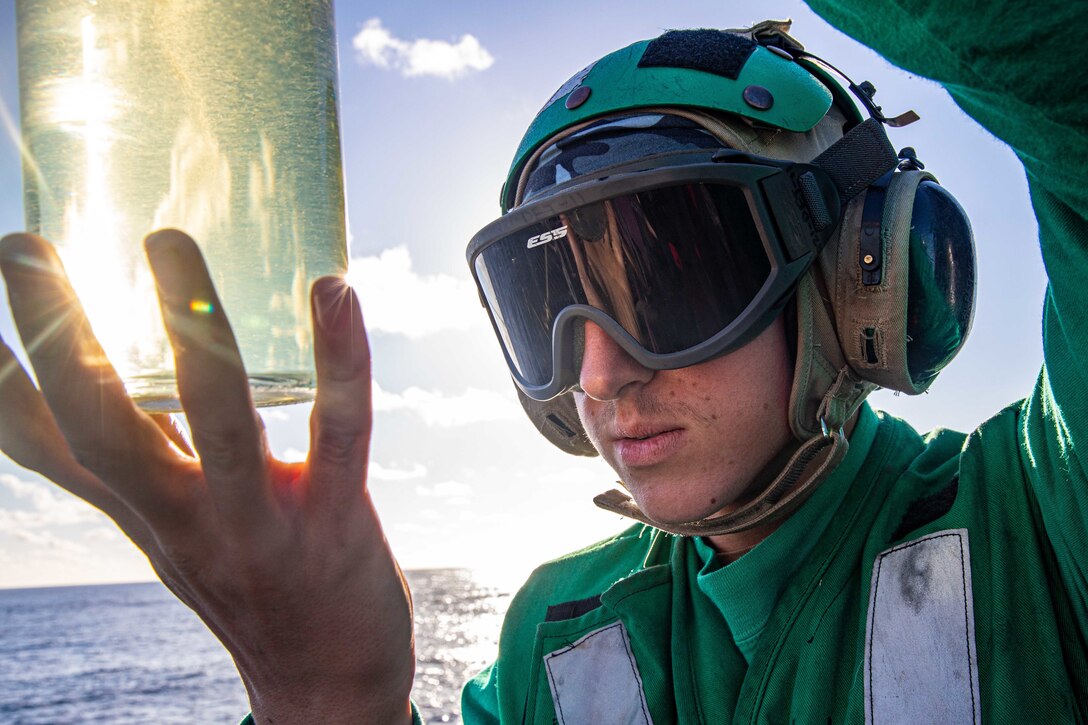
[458, 615]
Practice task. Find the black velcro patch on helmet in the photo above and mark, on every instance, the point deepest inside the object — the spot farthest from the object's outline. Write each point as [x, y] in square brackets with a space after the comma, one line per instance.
[713, 51]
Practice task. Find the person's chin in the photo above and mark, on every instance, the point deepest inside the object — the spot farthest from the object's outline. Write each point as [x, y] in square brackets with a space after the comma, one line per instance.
[666, 507]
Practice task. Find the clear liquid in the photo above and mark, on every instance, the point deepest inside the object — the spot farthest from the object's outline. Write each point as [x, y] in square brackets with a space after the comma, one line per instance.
[218, 118]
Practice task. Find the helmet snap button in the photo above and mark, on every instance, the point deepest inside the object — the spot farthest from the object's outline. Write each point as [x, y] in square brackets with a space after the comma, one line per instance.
[758, 97]
[577, 97]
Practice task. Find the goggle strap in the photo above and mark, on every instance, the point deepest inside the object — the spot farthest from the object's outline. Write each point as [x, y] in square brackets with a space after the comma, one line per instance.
[783, 496]
[858, 159]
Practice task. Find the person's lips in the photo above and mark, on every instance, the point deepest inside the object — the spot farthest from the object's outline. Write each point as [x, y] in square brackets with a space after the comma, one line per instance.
[641, 445]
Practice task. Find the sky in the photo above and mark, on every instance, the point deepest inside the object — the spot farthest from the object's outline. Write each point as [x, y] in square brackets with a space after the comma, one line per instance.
[434, 96]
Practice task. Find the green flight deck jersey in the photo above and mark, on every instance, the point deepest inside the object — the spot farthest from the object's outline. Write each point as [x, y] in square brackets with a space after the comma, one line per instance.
[939, 578]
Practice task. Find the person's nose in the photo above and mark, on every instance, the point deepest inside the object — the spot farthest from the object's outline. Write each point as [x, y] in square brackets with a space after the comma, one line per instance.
[607, 370]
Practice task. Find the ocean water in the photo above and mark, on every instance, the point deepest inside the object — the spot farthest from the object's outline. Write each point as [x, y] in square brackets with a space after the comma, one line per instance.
[126, 653]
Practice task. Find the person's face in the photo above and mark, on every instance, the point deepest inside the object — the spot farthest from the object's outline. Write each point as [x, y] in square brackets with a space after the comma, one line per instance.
[687, 443]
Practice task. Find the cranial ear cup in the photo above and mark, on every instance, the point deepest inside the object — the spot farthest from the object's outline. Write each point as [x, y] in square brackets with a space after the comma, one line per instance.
[905, 283]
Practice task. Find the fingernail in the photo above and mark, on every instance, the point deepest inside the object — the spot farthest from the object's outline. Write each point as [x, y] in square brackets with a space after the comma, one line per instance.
[162, 248]
[162, 238]
[13, 246]
[334, 303]
[170, 254]
[25, 253]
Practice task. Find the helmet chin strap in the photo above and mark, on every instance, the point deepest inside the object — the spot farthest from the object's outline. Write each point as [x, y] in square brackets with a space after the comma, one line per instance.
[793, 485]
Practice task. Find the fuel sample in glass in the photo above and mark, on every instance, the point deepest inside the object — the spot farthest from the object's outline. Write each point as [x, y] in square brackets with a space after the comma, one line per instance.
[218, 118]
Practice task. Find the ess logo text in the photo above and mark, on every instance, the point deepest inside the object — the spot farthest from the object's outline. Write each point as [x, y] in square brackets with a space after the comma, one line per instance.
[557, 233]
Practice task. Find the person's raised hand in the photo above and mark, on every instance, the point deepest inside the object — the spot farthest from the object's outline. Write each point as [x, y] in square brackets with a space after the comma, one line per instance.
[285, 562]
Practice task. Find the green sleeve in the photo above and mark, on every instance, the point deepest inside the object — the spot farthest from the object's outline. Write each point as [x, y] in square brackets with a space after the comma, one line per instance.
[1015, 67]
[480, 698]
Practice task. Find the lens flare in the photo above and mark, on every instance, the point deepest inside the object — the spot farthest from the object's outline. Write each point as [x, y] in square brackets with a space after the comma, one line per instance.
[201, 307]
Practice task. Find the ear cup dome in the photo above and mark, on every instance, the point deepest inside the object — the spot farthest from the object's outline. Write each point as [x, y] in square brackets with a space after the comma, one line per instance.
[941, 287]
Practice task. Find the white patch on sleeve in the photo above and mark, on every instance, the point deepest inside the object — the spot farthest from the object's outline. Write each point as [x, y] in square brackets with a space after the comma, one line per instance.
[920, 661]
[595, 680]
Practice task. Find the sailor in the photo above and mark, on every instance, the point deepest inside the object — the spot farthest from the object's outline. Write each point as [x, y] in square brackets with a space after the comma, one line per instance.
[710, 253]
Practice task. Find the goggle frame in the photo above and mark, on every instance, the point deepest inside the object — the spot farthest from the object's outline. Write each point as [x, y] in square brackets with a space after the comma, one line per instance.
[795, 209]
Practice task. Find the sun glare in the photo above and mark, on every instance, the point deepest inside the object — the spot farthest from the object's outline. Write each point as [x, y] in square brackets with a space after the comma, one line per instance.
[110, 280]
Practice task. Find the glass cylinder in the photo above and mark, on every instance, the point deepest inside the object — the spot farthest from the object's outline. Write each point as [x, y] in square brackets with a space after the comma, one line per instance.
[217, 118]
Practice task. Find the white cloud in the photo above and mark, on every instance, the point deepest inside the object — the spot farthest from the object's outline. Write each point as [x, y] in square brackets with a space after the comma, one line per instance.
[450, 493]
[379, 472]
[43, 507]
[375, 45]
[375, 471]
[40, 539]
[397, 300]
[446, 489]
[47, 506]
[103, 533]
[446, 411]
[410, 528]
[276, 414]
[292, 455]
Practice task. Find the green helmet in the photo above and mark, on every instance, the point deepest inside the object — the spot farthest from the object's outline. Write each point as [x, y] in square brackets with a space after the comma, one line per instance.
[715, 71]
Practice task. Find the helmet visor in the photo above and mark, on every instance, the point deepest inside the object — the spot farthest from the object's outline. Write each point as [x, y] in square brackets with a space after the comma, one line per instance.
[677, 272]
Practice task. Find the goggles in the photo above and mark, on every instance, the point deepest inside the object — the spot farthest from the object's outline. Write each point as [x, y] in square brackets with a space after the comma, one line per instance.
[678, 259]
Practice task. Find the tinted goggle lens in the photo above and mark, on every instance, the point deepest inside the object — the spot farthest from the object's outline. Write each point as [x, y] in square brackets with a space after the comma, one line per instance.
[673, 266]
